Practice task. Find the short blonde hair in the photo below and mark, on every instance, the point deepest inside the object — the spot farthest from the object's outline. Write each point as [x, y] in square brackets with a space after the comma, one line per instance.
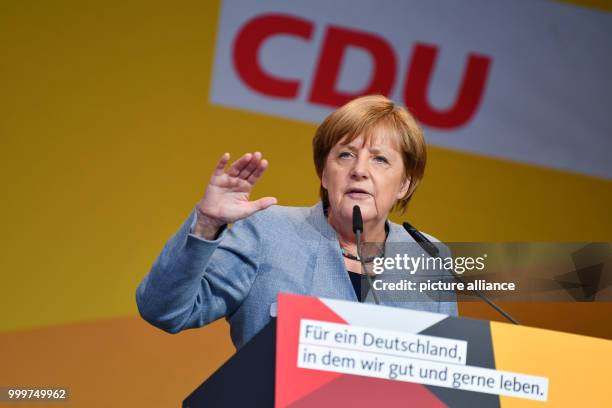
[363, 115]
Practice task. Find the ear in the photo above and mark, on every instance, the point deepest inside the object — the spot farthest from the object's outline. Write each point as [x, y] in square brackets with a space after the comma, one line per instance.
[324, 179]
[404, 188]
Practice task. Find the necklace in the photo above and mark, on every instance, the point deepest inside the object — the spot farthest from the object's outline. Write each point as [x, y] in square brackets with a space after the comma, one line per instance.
[348, 255]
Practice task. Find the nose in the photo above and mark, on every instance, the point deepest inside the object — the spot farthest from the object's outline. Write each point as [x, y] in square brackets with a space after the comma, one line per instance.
[359, 171]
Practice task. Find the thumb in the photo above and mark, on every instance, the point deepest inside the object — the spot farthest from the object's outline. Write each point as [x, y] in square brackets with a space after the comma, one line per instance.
[263, 203]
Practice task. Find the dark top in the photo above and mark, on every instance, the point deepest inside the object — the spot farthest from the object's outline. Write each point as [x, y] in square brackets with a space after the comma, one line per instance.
[356, 280]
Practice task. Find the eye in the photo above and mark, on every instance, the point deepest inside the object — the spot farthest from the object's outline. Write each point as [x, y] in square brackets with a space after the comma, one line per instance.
[345, 155]
[381, 159]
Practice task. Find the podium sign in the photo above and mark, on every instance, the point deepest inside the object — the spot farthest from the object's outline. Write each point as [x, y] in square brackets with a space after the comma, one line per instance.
[339, 353]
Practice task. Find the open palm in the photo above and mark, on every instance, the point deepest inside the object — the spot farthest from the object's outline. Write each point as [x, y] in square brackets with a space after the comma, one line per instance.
[226, 199]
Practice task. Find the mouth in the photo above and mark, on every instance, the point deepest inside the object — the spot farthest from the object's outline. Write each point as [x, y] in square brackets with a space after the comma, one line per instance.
[357, 193]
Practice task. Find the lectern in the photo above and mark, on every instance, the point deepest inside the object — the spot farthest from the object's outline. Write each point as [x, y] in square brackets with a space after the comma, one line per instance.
[245, 380]
[330, 353]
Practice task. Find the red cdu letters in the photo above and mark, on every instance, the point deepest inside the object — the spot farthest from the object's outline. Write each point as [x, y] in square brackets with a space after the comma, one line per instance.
[337, 40]
[252, 35]
[246, 48]
[468, 97]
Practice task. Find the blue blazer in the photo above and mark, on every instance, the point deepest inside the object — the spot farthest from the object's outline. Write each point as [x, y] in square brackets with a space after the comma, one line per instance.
[238, 276]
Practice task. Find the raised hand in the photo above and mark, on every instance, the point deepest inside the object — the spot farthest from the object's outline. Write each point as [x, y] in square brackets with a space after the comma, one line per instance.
[226, 199]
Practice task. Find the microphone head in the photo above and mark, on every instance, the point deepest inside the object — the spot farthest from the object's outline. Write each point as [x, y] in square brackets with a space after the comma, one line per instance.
[357, 220]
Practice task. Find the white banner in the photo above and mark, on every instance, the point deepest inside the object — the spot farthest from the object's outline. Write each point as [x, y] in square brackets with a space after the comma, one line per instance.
[389, 342]
[346, 349]
[525, 81]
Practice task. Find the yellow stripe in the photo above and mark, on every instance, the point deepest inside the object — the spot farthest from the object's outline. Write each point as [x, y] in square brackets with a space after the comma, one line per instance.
[576, 366]
[604, 5]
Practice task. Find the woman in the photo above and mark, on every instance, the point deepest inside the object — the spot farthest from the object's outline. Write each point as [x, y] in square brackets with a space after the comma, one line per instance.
[369, 152]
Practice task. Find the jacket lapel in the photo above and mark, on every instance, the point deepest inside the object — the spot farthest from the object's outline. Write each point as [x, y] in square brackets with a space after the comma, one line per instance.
[329, 276]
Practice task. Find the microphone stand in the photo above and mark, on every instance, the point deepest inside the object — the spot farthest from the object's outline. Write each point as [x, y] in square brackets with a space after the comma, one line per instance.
[431, 249]
[357, 230]
[363, 266]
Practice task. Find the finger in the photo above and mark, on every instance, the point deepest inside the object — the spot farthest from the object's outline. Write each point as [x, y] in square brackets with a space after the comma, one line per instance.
[239, 164]
[221, 164]
[250, 168]
[238, 184]
[263, 203]
[263, 165]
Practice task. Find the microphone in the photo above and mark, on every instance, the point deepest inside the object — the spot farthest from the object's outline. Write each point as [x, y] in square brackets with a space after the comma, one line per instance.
[357, 220]
[433, 251]
[430, 248]
[358, 230]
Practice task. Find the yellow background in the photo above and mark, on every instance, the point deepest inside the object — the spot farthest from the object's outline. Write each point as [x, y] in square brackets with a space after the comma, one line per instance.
[107, 140]
[577, 367]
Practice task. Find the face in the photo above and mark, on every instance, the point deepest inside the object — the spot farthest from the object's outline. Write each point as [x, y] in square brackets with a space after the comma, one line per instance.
[370, 175]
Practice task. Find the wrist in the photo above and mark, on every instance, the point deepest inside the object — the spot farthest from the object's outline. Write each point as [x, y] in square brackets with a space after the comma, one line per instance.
[206, 227]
